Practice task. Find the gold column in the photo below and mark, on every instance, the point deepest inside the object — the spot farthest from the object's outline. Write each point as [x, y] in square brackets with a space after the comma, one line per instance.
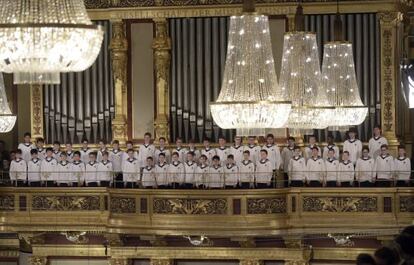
[161, 262]
[36, 110]
[119, 55]
[251, 262]
[37, 260]
[291, 22]
[162, 60]
[389, 23]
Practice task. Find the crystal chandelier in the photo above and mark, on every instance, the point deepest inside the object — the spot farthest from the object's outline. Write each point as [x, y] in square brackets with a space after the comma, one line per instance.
[39, 39]
[300, 75]
[250, 98]
[7, 120]
[339, 81]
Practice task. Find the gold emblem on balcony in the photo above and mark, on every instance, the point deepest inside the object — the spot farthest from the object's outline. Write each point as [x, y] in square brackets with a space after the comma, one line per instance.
[123, 205]
[407, 204]
[6, 202]
[190, 206]
[65, 203]
[266, 205]
[340, 204]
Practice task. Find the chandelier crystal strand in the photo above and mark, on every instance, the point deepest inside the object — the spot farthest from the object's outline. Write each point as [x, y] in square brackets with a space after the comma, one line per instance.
[7, 119]
[39, 39]
[300, 75]
[250, 98]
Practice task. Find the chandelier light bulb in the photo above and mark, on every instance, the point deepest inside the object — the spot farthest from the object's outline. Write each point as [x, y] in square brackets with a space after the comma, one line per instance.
[40, 39]
[7, 119]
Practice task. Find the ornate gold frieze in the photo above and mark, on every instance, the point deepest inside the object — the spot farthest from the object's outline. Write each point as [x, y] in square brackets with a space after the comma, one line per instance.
[340, 204]
[266, 205]
[36, 105]
[122, 205]
[36, 260]
[407, 204]
[65, 203]
[251, 262]
[161, 262]
[190, 206]
[6, 202]
[119, 261]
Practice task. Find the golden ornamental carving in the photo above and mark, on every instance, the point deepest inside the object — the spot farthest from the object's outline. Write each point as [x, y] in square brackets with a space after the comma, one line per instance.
[251, 262]
[36, 105]
[266, 205]
[161, 262]
[6, 202]
[65, 203]
[340, 204]
[123, 205]
[407, 204]
[296, 262]
[190, 206]
[119, 261]
[35, 260]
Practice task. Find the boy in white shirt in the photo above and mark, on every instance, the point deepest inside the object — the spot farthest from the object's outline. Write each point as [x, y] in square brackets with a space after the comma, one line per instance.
[162, 149]
[26, 146]
[192, 148]
[41, 151]
[332, 166]
[105, 169]
[231, 173]
[273, 152]
[130, 170]
[297, 169]
[129, 145]
[202, 173]
[346, 171]
[161, 172]
[402, 166]
[222, 151]
[85, 151]
[148, 175]
[102, 148]
[264, 171]
[384, 168]
[331, 145]
[91, 171]
[237, 150]
[18, 170]
[315, 167]
[253, 149]
[145, 150]
[216, 174]
[63, 171]
[375, 142]
[56, 150]
[353, 146]
[308, 149]
[69, 152]
[180, 149]
[116, 156]
[78, 170]
[208, 151]
[246, 169]
[365, 169]
[176, 172]
[48, 168]
[33, 169]
[190, 168]
[287, 153]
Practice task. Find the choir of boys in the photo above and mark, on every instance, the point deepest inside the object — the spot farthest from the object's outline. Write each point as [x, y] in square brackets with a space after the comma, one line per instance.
[237, 166]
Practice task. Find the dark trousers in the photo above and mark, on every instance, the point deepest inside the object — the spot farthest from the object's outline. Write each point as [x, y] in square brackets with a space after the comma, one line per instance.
[188, 186]
[175, 185]
[402, 183]
[130, 185]
[229, 187]
[286, 180]
[296, 183]
[245, 185]
[20, 183]
[331, 183]
[92, 184]
[383, 183]
[75, 184]
[104, 183]
[346, 184]
[366, 184]
[118, 183]
[34, 184]
[201, 186]
[63, 184]
[262, 185]
[162, 187]
[49, 183]
[314, 183]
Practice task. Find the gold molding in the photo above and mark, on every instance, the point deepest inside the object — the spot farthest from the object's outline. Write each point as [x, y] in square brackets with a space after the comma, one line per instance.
[339, 253]
[69, 250]
[36, 110]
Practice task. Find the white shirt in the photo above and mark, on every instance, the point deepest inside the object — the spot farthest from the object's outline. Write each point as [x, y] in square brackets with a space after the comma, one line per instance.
[237, 152]
[125, 156]
[315, 168]
[297, 168]
[26, 148]
[365, 169]
[273, 154]
[164, 151]
[216, 177]
[105, 169]
[116, 157]
[18, 169]
[354, 147]
[69, 157]
[176, 172]
[56, 155]
[85, 154]
[286, 155]
[374, 146]
[33, 170]
[91, 172]
[254, 152]
[332, 166]
[384, 167]
[130, 170]
[41, 153]
[100, 154]
[48, 169]
[346, 171]
[145, 150]
[209, 153]
[148, 176]
[231, 175]
[182, 154]
[63, 172]
[190, 170]
[196, 154]
[78, 169]
[223, 152]
[161, 174]
[246, 171]
[326, 150]
[402, 166]
[308, 151]
[264, 171]
[202, 174]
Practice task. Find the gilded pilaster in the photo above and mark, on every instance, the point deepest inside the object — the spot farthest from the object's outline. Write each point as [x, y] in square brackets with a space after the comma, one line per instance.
[291, 22]
[36, 110]
[119, 55]
[161, 262]
[162, 59]
[389, 23]
[37, 260]
[251, 262]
